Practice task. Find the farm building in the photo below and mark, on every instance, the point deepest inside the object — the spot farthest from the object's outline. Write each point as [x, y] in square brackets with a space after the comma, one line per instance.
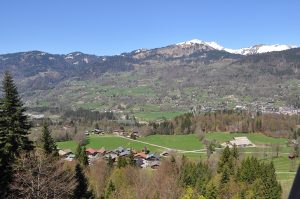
[65, 152]
[239, 142]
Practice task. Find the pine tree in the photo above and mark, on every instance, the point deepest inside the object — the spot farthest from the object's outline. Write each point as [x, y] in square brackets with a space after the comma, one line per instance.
[109, 189]
[48, 143]
[273, 187]
[131, 159]
[14, 113]
[212, 191]
[122, 162]
[258, 189]
[81, 190]
[14, 130]
[78, 151]
[83, 159]
[81, 155]
[235, 152]
[225, 177]
[110, 162]
[5, 163]
[224, 159]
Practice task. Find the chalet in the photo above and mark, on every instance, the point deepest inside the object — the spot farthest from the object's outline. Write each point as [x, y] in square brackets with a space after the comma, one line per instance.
[152, 157]
[65, 152]
[113, 155]
[125, 153]
[98, 131]
[70, 157]
[139, 161]
[119, 150]
[141, 155]
[91, 151]
[101, 151]
[134, 135]
[120, 132]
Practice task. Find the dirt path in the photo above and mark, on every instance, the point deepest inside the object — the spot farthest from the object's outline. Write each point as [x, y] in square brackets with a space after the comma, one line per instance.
[163, 147]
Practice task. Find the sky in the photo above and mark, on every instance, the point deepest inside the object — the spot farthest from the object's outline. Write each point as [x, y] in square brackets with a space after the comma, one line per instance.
[109, 27]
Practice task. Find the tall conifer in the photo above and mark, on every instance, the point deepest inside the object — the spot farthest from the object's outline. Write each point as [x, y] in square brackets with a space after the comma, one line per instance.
[14, 130]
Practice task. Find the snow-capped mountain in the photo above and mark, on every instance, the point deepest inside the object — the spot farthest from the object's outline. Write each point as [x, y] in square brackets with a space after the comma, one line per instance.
[256, 49]
[197, 41]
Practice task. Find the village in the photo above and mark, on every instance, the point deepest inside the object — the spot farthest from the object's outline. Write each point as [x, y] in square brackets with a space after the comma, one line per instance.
[142, 159]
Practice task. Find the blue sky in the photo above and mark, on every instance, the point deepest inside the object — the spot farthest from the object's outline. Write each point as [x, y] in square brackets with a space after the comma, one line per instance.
[106, 27]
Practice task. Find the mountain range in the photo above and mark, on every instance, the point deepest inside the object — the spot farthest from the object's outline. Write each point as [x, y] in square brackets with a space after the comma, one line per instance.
[256, 49]
[174, 77]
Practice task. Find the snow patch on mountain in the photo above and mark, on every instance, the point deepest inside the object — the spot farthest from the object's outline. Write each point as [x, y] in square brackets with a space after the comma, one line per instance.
[256, 49]
[197, 41]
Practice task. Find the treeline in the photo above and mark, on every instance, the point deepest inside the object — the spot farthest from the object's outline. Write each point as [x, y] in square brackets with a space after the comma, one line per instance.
[83, 115]
[277, 125]
[228, 176]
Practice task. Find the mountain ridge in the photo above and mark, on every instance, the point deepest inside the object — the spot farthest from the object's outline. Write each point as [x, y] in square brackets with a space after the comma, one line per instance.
[255, 49]
[164, 75]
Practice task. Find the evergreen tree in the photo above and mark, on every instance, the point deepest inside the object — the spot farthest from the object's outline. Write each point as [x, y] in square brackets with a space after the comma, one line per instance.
[109, 189]
[78, 151]
[81, 190]
[81, 155]
[17, 128]
[122, 162]
[258, 189]
[83, 159]
[249, 170]
[14, 130]
[225, 177]
[5, 162]
[48, 143]
[131, 159]
[212, 191]
[269, 179]
[110, 162]
[235, 152]
[224, 159]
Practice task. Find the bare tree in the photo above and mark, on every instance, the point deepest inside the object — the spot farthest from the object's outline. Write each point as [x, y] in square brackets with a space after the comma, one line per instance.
[40, 176]
[276, 149]
[99, 173]
[80, 138]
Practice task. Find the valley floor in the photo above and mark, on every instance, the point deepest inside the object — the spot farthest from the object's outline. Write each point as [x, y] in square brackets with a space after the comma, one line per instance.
[190, 146]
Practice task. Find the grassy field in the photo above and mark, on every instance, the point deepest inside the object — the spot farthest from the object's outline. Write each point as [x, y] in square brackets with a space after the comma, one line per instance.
[256, 138]
[108, 142]
[180, 142]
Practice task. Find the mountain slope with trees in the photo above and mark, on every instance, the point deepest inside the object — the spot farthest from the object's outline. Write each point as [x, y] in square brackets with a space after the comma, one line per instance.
[184, 76]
